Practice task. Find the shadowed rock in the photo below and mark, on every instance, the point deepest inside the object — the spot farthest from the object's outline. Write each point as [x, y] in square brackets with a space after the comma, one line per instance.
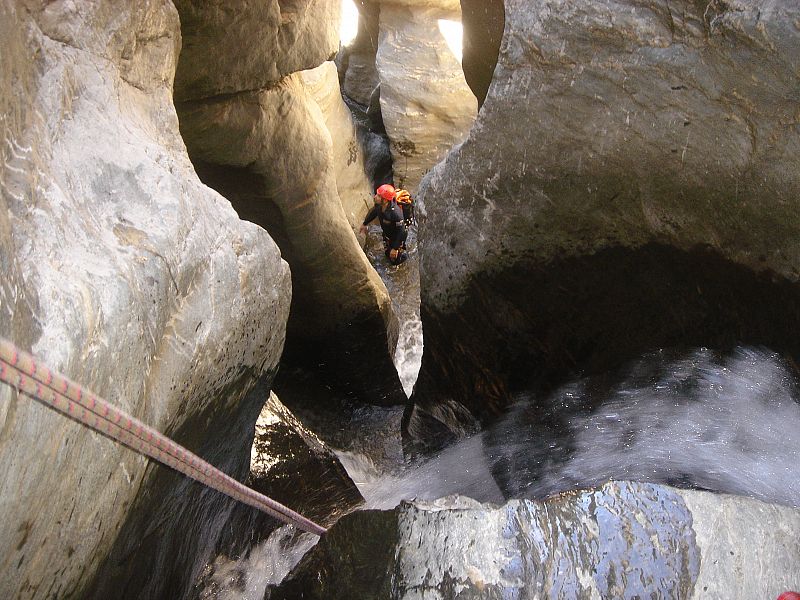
[280, 157]
[483, 22]
[289, 464]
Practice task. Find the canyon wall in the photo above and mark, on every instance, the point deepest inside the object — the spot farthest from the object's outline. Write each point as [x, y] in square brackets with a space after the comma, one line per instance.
[276, 142]
[123, 270]
[631, 182]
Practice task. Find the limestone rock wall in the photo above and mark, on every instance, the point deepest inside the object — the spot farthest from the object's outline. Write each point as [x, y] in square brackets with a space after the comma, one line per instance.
[360, 77]
[280, 153]
[401, 72]
[123, 270]
[426, 104]
[352, 185]
[621, 540]
[264, 41]
[631, 182]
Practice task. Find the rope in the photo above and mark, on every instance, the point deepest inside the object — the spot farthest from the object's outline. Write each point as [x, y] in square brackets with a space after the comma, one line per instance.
[29, 376]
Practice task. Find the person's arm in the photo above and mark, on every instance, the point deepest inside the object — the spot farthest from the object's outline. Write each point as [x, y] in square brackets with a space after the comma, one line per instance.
[371, 216]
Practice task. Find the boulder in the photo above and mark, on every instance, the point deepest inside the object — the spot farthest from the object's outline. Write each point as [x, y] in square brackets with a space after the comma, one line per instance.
[621, 540]
[125, 272]
[233, 46]
[290, 464]
[631, 182]
[282, 449]
[271, 152]
[426, 104]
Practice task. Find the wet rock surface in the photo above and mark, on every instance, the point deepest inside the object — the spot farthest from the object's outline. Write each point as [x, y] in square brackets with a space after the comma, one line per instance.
[630, 183]
[121, 269]
[619, 540]
[289, 464]
[292, 465]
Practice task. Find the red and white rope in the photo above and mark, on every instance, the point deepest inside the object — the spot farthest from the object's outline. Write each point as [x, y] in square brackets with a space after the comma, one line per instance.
[24, 372]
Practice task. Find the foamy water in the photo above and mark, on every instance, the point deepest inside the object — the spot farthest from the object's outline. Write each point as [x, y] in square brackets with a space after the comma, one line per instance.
[728, 424]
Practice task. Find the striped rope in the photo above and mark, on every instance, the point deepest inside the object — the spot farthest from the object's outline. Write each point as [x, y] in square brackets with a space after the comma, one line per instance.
[24, 372]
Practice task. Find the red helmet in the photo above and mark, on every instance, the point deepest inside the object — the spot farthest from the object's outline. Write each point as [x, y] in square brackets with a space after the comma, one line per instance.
[386, 191]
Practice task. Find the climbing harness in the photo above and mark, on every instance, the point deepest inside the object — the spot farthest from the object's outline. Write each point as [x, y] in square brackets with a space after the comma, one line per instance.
[29, 376]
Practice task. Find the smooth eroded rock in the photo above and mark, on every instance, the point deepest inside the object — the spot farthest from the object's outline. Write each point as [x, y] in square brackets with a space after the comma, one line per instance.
[631, 182]
[124, 271]
[426, 104]
[353, 187]
[272, 154]
[246, 45]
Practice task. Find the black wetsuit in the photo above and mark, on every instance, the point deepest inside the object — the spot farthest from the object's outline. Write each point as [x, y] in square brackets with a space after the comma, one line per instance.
[393, 225]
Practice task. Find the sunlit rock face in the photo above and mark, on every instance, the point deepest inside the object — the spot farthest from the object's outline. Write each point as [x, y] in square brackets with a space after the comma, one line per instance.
[285, 156]
[123, 270]
[631, 182]
[426, 104]
[621, 540]
[280, 36]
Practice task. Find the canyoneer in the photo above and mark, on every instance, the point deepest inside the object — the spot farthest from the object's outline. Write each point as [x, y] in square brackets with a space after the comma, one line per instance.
[393, 222]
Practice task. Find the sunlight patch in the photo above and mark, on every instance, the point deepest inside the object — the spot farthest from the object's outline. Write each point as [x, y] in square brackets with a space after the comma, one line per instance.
[453, 33]
[349, 26]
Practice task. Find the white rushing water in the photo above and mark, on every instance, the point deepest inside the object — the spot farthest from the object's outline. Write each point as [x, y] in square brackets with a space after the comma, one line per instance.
[729, 424]
[266, 564]
[724, 423]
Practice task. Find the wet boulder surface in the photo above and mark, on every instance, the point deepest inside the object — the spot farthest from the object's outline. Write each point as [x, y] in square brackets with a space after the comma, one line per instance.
[620, 540]
[631, 183]
[293, 466]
